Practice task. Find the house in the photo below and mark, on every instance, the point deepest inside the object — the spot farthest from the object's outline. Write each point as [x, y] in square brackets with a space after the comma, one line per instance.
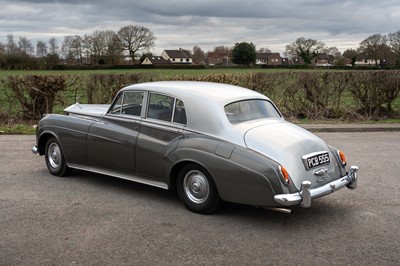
[218, 58]
[363, 60]
[323, 60]
[155, 60]
[271, 59]
[180, 56]
[292, 61]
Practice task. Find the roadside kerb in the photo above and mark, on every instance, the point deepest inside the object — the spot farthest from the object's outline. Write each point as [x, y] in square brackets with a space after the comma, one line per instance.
[351, 127]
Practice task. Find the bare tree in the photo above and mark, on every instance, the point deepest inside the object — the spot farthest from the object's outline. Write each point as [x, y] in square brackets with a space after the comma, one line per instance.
[136, 39]
[87, 48]
[199, 56]
[77, 48]
[53, 46]
[373, 46]
[394, 42]
[53, 55]
[222, 49]
[332, 51]
[41, 49]
[25, 46]
[114, 48]
[99, 46]
[264, 50]
[66, 49]
[304, 48]
[11, 46]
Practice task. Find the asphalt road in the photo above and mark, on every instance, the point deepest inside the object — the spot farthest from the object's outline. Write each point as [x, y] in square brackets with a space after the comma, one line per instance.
[90, 219]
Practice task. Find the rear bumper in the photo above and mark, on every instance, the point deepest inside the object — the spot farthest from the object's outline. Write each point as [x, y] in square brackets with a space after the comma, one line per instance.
[306, 195]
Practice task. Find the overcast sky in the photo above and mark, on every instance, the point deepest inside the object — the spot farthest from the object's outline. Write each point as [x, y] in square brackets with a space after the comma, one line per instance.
[207, 23]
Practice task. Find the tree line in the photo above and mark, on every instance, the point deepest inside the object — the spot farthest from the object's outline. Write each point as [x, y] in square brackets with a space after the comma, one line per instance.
[376, 47]
[99, 48]
[114, 47]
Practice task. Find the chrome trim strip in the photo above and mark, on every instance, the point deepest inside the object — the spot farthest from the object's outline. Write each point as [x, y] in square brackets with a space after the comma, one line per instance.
[130, 177]
[305, 196]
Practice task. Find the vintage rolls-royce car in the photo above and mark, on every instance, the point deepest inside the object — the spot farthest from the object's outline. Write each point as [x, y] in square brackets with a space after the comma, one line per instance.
[211, 142]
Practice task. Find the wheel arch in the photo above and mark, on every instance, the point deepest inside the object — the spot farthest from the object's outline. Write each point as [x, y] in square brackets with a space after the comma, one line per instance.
[43, 140]
[176, 168]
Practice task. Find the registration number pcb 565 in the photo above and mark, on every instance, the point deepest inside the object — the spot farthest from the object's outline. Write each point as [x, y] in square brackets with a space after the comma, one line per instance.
[315, 159]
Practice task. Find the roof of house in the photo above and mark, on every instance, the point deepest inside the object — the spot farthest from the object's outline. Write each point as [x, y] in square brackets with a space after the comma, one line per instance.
[221, 54]
[266, 55]
[178, 53]
[158, 60]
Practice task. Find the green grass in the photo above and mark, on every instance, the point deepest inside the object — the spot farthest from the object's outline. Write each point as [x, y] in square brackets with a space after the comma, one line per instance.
[20, 128]
[162, 72]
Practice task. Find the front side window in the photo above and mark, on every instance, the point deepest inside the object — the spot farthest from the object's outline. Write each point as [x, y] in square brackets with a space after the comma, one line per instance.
[129, 103]
[247, 110]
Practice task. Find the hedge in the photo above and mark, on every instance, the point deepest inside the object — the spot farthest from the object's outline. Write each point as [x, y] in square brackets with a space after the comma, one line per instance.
[312, 95]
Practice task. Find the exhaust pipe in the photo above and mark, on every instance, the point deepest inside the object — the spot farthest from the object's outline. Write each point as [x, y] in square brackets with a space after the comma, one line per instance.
[281, 210]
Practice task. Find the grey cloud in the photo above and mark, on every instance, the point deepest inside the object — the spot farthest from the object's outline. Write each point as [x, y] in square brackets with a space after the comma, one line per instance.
[207, 22]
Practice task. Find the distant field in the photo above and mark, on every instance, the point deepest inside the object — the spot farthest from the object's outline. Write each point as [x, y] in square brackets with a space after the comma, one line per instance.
[162, 72]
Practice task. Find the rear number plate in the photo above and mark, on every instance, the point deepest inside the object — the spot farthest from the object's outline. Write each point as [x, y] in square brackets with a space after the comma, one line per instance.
[315, 159]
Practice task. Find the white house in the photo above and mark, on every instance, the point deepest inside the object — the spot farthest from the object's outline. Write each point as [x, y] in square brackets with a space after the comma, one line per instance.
[177, 56]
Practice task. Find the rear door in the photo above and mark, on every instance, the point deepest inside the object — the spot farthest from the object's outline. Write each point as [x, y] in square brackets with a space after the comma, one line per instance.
[160, 133]
[111, 141]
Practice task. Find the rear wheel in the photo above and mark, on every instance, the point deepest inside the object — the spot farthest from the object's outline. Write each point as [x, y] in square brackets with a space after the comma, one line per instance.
[55, 160]
[197, 190]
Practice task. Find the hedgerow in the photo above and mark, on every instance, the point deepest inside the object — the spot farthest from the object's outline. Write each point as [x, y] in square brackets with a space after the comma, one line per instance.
[313, 95]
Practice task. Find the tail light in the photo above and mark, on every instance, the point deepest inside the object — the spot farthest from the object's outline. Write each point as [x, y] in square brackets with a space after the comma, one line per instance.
[342, 158]
[284, 174]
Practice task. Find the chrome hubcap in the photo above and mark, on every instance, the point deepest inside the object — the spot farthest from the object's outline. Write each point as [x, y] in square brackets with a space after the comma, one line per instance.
[196, 186]
[54, 155]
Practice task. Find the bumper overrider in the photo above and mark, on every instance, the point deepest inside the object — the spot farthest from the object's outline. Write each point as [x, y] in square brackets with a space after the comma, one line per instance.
[306, 195]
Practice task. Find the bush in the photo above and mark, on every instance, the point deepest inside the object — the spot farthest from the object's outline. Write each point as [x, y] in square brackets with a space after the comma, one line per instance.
[375, 91]
[102, 88]
[36, 94]
[312, 95]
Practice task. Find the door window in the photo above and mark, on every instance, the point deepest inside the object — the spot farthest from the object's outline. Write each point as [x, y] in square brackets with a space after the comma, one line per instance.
[128, 103]
[166, 108]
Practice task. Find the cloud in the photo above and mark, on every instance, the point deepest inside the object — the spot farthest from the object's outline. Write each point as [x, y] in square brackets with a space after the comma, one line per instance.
[207, 23]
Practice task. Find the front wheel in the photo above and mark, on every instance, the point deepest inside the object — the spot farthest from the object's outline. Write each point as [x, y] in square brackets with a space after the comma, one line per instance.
[55, 160]
[197, 190]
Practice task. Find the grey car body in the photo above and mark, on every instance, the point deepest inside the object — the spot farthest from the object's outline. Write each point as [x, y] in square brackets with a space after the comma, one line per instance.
[212, 142]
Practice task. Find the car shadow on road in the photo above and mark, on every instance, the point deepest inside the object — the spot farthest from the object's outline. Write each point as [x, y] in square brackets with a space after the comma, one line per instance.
[325, 210]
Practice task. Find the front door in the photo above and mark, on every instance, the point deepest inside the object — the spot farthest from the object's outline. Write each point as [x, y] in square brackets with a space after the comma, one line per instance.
[111, 141]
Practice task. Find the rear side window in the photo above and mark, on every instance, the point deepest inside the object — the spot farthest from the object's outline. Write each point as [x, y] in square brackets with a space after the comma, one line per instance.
[243, 111]
[180, 113]
[166, 108]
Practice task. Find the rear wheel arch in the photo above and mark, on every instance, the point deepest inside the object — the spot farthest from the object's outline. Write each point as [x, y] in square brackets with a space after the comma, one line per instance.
[176, 169]
[197, 189]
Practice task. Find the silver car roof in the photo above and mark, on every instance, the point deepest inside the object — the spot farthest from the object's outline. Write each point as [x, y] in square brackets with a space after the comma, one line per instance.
[218, 93]
[204, 104]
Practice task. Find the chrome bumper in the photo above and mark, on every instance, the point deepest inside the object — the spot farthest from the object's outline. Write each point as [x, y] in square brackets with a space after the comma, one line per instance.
[306, 195]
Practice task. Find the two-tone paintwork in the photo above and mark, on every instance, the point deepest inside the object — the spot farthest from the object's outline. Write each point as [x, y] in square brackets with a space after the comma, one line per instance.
[244, 159]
